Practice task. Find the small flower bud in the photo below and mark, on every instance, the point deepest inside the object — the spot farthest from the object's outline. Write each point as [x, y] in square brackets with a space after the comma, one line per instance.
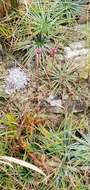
[38, 51]
[53, 52]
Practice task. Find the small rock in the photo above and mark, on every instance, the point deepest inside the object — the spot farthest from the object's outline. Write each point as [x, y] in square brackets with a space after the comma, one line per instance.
[67, 49]
[78, 45]
[82, 61]
[75, 53]
[54, 101]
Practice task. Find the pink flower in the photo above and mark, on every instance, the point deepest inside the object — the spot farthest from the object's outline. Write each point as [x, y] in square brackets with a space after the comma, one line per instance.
[38, 51]
[53, 52]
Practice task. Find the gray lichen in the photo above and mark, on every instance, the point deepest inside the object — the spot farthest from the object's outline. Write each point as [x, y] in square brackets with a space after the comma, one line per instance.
[16, 80]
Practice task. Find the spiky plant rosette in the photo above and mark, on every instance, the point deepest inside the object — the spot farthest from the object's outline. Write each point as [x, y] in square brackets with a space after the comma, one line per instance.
[42, 27]
[29, 47]
[61, 77]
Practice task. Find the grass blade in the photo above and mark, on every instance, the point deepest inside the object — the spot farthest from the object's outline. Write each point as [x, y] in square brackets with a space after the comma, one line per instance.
[22, 163]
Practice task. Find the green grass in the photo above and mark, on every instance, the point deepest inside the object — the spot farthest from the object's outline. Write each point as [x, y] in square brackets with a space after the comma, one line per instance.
[66, 155]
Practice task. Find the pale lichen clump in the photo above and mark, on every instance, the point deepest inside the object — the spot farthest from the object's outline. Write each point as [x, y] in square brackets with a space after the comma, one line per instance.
[15, 81]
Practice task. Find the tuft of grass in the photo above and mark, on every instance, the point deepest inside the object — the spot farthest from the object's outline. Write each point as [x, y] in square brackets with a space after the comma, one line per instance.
[64, 170]
[67, 10]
